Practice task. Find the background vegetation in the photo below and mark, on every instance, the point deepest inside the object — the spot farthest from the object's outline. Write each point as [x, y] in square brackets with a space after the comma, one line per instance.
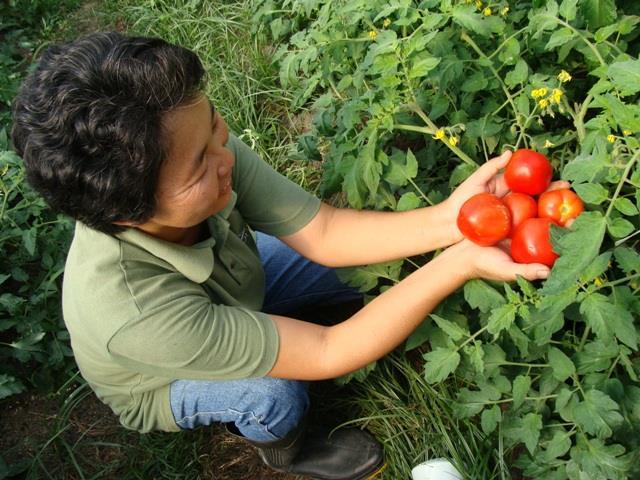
[385, 105]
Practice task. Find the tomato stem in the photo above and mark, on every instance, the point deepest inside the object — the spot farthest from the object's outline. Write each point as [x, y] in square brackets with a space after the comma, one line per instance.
[625, 174]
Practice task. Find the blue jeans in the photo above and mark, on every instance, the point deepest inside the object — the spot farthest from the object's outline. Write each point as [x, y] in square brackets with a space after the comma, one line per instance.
[263, 409]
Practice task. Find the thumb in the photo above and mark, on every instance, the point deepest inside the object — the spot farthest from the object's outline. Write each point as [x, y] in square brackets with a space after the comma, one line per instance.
[532, 271]
[490, 169]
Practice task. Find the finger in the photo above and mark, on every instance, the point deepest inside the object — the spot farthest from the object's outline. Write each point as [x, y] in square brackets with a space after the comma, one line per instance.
[532, 271]
[558, 185]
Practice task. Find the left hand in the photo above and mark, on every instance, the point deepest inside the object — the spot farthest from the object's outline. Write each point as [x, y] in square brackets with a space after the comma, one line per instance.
[485, 179]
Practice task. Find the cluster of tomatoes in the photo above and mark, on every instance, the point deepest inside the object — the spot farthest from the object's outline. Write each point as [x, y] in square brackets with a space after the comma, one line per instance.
[486, 219]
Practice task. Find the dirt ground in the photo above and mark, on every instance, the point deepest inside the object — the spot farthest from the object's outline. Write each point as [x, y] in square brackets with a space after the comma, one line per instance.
[30, 420]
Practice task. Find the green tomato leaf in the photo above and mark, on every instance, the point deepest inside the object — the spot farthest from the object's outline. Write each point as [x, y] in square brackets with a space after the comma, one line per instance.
[521, 386]
[577, 247]
[501, 318]
[584, 168]
[490, 418]
[401, 168]
[625, 206]
[599, 13]
[10, 386]
[593, 459]
[568, 9]
[592, 193]
[561, 365]
[597, 267]
[423, 65]
[625, 76]
[526, 430]
[471, 402]
[560, 37]
[596, 356]
[559, 445]
[408, 201]
[628, 259]
[597, 414]
[455, 331]
[620, 228]
[475, 352]
[440, 363]
[482, 296]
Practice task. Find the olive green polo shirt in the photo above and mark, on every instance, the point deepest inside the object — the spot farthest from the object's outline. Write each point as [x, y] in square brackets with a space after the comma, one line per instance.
[142, 312]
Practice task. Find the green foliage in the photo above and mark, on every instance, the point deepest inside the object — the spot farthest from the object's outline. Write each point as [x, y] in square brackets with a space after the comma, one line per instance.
[408, 97]
[34, 345]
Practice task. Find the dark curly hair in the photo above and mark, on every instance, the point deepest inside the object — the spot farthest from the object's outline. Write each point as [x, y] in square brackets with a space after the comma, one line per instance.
[87, 123]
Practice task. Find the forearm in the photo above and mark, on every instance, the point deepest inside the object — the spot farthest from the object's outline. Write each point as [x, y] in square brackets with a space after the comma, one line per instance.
[361, 237]
[373, 331]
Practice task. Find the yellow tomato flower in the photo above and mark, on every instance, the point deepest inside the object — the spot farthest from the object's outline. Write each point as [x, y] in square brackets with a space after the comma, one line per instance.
[487, 12]
[544, 103]
[556, 96]
[439, 134]
[453, 141]
[539, 92]
[548, 144]
[564, 76]
[504, 11]
[478, 4]
[627, 132]
[386, 22]
[373, 34]
[598, 282]
[611, 138]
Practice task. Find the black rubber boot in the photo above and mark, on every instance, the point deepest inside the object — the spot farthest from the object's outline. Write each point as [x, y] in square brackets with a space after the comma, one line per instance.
[346, 454]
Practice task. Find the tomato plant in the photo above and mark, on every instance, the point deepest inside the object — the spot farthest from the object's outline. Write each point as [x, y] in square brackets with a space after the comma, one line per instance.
[528, 172]
[484, 219]
[531, 242]
[521, 206]
[560, 205]
[407, 98]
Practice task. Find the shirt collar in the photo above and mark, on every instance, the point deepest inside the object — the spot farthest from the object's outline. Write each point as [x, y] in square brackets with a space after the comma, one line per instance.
[195, 262]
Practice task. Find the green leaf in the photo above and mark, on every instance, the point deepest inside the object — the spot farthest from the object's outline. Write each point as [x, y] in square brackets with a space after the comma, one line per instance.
[525, 430]
[559, 445]
[521, 386]
[584, 168]
[592, 193]
[625, 206]
[597, 414]
[423, 65]
[577, 247]
[366, 278]
[560, 37]
[490, 418]
[593, 459]
[501, 318]
[408, 201]
[625, 76]
[440, 363]
[561, 365]
[475, 352]
[607, 317]
[628, 259]
[472, 402]
[568, 9]
[29, 240]
[620, 228]
[598, 13]
[10, 386]
[468, 17]
[455, 331]
[482, 296]
[476, 82]
[401, 168]
[596, 268]
[597, 356]
[519, 74]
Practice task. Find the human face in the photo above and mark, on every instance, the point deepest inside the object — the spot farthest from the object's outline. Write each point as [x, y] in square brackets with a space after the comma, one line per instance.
[195, 179]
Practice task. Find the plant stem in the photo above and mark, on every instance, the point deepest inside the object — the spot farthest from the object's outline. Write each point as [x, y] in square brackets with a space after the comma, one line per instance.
[419, 190]
[626, 172]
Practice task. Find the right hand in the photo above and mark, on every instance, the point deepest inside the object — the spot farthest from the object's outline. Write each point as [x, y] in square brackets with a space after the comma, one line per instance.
[494, 263]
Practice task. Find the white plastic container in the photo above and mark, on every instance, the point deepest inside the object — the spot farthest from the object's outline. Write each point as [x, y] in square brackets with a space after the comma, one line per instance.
[436, 469]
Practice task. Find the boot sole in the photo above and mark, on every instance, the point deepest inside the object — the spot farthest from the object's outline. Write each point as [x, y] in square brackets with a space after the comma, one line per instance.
[380, 469]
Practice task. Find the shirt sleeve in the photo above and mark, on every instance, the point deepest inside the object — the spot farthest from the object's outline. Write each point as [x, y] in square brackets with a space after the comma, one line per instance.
[186, 336]
[268, 201]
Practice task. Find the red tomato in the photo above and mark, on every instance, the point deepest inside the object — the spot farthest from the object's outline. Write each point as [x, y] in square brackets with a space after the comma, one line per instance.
[484, 219]
[528, 172]
[521, 206]
[560, 205]
[531, 242]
